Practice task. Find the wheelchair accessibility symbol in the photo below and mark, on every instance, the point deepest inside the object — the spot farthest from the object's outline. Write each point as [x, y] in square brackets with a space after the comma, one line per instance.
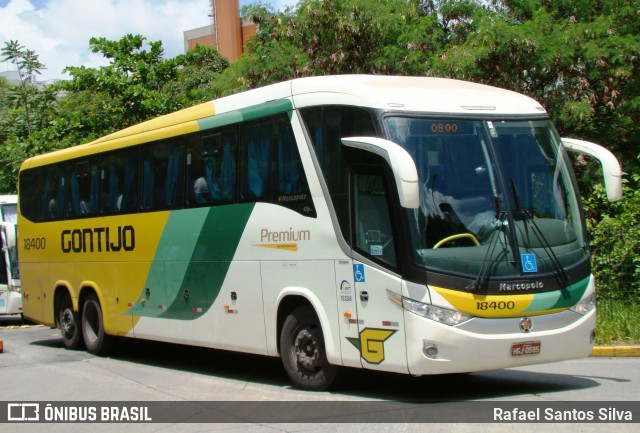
[529, 263]
[358, 273]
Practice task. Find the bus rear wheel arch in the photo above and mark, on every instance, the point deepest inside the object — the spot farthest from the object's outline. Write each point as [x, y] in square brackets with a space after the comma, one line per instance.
[303, 352]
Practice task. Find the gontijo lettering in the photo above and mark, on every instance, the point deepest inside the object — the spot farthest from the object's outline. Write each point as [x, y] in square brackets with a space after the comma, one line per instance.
[98, 239]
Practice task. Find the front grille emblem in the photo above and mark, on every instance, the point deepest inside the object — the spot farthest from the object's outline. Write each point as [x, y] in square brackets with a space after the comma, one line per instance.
[526, 325]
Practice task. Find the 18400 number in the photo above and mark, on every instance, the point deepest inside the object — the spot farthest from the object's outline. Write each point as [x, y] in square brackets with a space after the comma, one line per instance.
[500, 305]
[35, 244]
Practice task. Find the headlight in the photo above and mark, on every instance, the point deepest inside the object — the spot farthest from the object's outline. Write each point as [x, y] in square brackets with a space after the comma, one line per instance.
[586, 305]
[437, 314]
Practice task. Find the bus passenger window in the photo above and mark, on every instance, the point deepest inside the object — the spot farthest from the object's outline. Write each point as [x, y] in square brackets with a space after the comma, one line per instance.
[84, 189]
[162, 175]
[119, 184]
[211, 168]
[271, 169]
[54, 197]
[257, 145]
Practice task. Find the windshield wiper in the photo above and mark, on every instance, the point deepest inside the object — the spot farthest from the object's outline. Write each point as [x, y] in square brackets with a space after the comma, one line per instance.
[481, 278]
[563, 278]
[526, 219]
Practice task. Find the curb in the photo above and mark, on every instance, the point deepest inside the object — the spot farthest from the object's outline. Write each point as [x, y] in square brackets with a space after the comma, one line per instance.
[615, 351]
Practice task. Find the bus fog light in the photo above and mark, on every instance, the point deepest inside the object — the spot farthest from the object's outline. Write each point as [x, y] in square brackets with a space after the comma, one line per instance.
[592, 337]
[430, 350]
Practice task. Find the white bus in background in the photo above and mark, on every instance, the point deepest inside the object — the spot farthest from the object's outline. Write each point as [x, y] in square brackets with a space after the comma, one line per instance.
[10, 294]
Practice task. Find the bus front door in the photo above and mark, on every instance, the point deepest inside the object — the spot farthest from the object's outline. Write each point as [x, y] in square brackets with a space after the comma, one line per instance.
[381, 339]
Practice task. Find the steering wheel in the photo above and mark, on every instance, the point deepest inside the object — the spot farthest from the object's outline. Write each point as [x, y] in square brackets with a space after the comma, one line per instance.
[458, 236]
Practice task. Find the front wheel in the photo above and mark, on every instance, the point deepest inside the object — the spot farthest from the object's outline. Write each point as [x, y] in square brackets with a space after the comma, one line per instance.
[96, 340]
[303, 351]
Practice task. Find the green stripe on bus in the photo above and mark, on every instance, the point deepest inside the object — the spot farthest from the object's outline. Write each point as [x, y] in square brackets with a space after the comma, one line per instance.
[192, 260]
[563, 298]
[210, 261]
[250, 113]
[266, 109]
[223, 119]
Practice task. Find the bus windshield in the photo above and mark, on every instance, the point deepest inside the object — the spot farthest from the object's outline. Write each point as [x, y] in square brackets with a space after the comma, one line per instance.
[490, 191]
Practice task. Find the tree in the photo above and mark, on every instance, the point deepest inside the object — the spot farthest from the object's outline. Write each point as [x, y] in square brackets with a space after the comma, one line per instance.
[137, 84]
[334, 37]
[27, 63]
[128, 90]
[198, 69]
[580, 59]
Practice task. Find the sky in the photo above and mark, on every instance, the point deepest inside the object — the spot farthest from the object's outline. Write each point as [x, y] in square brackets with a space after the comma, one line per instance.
[58, 31]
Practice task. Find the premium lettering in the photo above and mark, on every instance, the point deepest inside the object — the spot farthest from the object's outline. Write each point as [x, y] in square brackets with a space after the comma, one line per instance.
[98, 239]
[285, 236]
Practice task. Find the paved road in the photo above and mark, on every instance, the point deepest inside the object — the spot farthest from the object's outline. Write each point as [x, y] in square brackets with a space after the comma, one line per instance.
[35, 366]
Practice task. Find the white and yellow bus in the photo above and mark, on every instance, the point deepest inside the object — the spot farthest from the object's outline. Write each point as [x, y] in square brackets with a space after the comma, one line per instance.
[10, 295]
[410, 225]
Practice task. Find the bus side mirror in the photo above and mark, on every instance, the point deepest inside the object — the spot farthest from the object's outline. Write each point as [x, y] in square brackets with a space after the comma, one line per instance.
[402, 165]
[610, 165]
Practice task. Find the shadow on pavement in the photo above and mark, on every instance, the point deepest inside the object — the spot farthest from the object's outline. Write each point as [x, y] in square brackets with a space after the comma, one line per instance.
[354, 382]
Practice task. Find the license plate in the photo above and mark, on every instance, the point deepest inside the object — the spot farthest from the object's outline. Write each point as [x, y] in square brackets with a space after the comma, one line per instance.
[526, 348]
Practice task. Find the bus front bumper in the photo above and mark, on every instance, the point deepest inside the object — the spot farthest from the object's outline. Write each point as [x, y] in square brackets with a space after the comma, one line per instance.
[489, 344]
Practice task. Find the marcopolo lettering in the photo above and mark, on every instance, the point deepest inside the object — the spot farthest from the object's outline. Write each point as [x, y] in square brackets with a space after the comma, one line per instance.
[98, 239]
[529, 285]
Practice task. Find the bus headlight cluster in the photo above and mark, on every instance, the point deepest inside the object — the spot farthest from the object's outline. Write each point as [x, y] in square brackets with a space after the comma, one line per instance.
[586, 305]
[437, 314]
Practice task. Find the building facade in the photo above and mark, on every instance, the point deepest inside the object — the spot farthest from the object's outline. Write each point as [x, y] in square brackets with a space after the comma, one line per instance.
[227, 33]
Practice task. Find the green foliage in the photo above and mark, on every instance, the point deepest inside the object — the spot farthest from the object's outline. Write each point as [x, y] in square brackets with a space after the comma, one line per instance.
[615, 241]
[199, 68]
[129, 88]
[138, 84]
[579, 58]
[324, 37]
[617, 322]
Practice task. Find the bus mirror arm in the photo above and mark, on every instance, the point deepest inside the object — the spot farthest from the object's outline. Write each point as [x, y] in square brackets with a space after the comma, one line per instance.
[610, 166]
[401, 163]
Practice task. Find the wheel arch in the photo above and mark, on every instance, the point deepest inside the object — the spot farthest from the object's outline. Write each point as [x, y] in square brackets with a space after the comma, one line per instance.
[86, 289]
[292, 299]
[62, 289]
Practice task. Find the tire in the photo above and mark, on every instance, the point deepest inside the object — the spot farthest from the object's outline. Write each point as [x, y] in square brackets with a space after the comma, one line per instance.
[69, 324]
[303, 351]
[95, 339]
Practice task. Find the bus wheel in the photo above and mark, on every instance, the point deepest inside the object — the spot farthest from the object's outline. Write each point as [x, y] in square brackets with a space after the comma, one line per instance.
[69, 324]
[96, 340]
[303, 351]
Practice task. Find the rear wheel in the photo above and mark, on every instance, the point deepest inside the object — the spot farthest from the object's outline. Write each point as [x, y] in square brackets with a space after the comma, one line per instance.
[303, 351]
[96, 340]
[69, 324]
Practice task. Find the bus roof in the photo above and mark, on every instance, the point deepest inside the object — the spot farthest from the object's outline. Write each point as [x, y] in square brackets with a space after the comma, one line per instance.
[423, 94]
[418, 94]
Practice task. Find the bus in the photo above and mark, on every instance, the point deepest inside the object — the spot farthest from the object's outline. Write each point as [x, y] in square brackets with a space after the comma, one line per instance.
[402, 224]
[10, 295]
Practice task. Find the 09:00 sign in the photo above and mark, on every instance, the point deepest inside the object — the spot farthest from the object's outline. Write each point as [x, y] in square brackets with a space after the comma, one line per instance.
[444, 127]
